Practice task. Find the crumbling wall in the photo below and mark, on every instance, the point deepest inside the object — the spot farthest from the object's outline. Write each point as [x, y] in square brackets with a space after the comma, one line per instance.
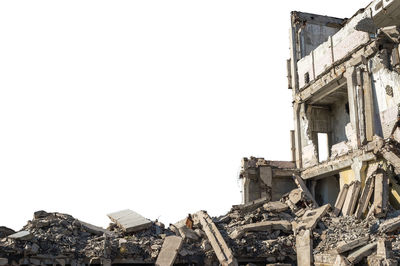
[386, 88]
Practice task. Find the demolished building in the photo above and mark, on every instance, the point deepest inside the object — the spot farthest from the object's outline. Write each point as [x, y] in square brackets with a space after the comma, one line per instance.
[336, 203]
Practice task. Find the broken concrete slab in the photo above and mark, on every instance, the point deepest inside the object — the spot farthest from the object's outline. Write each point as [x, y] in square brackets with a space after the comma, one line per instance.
[390, 225]
[301, 185]
[340, 200]
[129, 221]
[345, 246]
[261, 226]
[365, 196]
[359, 254]
[21, 235]
[251, 206]
[296, 195]
[351, 198]
[275, 206]
[188, 233]
[169, 251]
[311, 218]
[304, 248]
[96, 230]
[221, 249]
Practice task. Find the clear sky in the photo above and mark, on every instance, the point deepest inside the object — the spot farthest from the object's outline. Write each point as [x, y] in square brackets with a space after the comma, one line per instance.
[147, 105]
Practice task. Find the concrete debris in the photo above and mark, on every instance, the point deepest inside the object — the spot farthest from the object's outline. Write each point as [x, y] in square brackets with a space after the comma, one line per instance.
[340, 199]
[361, 253]
[129, 221]
[344, 75]
[351, 198]
[311, 218]
[169, 251]
[304, 248]
[5, 231]
[221, 249]
[263, 227]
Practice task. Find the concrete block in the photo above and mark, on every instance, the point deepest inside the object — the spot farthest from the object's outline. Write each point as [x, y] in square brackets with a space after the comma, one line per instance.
[129, 221]
[340, 199]
[21, 235]
[169, 251]
[261, 227]
[304, 248]
[359, 254]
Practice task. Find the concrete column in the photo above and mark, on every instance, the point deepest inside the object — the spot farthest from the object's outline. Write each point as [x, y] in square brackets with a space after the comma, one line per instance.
[297, 134]
[359, 168]
[245, 190]
[351, 75]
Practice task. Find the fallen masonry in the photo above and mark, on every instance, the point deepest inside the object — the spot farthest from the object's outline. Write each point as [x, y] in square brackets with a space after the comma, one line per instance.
[338, 208]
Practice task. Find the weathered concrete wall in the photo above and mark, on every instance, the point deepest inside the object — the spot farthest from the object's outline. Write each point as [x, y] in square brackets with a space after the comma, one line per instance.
[340, 118]
[327, 190]
[334, 49]
[386, 91]
[281, 186]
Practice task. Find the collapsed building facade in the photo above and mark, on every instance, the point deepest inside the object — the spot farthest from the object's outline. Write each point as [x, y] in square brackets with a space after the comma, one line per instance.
[336, 203]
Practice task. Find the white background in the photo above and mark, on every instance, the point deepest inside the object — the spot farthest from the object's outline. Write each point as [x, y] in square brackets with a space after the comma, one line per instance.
[147, 105]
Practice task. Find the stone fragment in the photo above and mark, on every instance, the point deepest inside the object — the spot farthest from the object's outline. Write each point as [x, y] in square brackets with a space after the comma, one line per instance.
[129, 221]
[169, 251]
